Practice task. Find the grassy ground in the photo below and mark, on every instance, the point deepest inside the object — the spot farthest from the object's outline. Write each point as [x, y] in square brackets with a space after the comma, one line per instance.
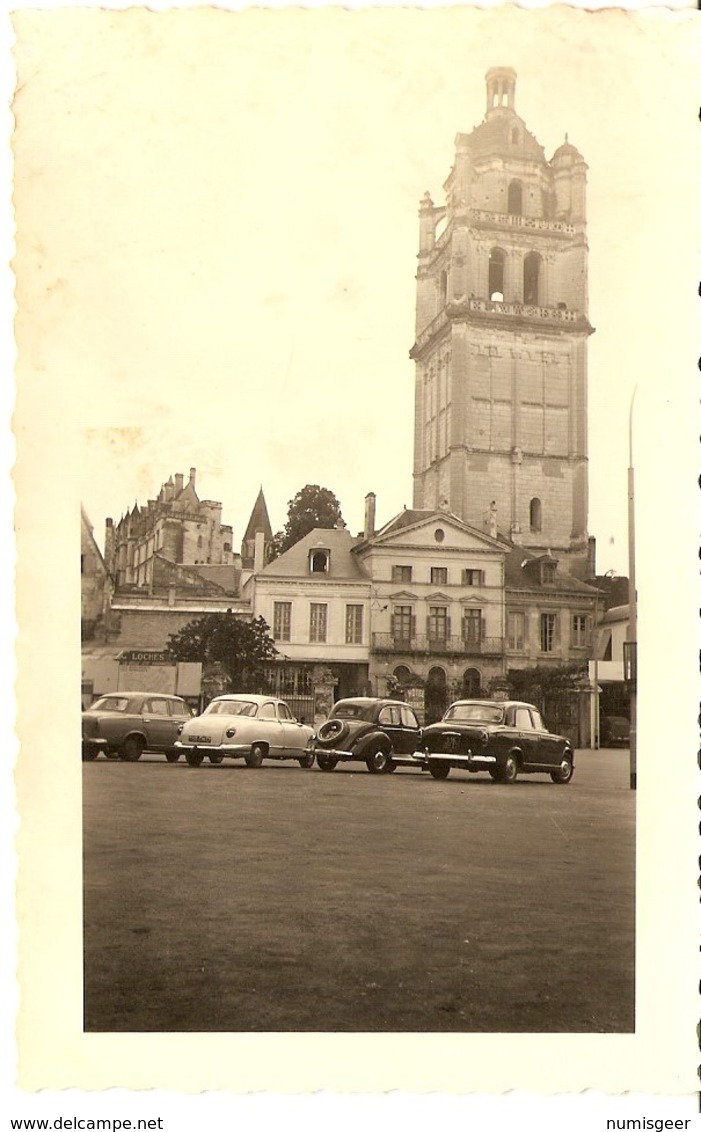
[222, 898]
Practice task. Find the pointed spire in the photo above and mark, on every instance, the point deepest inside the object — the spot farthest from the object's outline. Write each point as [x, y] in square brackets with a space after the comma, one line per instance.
[259, 520]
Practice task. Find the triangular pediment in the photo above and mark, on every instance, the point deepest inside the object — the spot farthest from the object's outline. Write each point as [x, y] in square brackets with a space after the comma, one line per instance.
[437, 595]
[403, 594]
[435, 531]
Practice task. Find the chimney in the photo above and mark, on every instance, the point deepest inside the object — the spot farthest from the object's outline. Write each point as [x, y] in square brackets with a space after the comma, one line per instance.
[492, 520]
[259, 552]
[193, 473]
[591, 558]
[369, 514]
[178, 482]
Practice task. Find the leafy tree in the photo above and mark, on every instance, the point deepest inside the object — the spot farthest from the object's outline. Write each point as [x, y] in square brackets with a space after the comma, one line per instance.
[311, 507]
[239, 649]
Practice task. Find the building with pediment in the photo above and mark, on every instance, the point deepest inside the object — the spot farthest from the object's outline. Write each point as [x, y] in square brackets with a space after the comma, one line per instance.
[501, 336]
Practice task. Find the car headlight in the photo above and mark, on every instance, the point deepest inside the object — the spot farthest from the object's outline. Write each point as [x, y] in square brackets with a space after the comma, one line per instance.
[180, 728]
[231, 731]
[484, 738]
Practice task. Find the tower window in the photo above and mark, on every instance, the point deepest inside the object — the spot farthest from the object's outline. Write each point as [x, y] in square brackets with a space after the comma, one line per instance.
[515, 198]
[497, 260]
[531, 278]
[515, 137]
[443, 287]
[536, 516]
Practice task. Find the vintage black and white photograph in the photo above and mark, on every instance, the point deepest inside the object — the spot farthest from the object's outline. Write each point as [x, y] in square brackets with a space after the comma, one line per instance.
[354, 384]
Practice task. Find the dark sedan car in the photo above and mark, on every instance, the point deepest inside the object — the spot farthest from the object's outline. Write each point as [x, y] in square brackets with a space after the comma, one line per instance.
[505, 739]
[381, 733]
[124, 724]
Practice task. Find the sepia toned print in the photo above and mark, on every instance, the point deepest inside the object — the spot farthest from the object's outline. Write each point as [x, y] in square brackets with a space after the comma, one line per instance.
[232, 286]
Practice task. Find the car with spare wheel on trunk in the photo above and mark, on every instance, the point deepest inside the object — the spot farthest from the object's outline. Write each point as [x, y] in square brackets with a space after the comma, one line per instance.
[382, 733]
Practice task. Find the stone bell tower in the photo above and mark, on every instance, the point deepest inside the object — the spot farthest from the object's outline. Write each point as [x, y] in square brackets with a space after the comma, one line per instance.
[501, 335]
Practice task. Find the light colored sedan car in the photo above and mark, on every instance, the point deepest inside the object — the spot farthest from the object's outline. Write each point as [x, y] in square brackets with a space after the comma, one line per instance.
[245, 727]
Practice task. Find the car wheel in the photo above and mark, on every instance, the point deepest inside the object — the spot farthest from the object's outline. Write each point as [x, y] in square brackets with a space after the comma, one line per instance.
[564, 772]
[89, 754]
[439, 770]
[132, 749]
[377, 761]
[172, 756]
[307, 761]
[194, 758]
[508, 771]
[255, 758]
[215, 759]
[326, 762]
[391, 767]
[494, 773]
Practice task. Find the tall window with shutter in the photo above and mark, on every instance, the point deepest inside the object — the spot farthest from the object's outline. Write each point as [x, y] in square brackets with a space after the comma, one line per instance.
[403, 623]
[438, 623]
[472, 627]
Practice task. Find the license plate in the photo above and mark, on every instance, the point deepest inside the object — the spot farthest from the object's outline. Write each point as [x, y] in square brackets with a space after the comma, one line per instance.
[199, 739]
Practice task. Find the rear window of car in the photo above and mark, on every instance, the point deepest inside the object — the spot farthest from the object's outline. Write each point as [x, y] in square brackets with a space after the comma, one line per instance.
[352, 711]
[474, 713]
[111, 703]
[231, 707]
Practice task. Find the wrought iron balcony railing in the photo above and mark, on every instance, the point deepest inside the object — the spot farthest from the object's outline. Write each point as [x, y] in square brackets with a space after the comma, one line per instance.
[422, 643]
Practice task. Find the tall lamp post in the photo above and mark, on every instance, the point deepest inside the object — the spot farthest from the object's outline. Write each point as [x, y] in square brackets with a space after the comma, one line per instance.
[630, 648]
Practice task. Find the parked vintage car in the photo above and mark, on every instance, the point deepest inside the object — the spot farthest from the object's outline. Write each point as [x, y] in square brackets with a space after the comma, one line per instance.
[505, 739]
[125, 724]
[615, 731]
[249, 727]
[381, 733]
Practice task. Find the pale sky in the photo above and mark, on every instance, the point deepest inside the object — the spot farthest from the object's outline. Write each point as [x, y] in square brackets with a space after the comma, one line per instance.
[222, 211]
[217, 234]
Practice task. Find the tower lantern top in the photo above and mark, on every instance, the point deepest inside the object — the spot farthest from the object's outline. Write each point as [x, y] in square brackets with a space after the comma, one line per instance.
[501, 89]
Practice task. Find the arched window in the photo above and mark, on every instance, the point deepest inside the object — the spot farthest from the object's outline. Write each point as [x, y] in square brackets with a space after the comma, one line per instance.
[497, 261]
[515, 198]
[535, 514]
[471, 683]
[402, 673]
[319, 562]
[436, 694]
[531, 279]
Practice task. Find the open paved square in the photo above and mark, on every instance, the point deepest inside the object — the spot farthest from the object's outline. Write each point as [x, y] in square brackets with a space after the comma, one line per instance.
[228, 899]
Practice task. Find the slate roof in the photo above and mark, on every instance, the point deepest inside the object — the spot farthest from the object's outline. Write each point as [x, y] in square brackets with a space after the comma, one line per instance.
[259, 520]
[294, 563]
[522, 572]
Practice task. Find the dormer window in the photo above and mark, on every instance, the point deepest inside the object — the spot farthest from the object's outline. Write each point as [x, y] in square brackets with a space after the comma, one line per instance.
[547, 573]
[319, 561]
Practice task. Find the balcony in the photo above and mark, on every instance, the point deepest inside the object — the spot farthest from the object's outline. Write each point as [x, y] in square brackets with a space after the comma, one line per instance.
[451, 645]
[482, 218]
[501, 314]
